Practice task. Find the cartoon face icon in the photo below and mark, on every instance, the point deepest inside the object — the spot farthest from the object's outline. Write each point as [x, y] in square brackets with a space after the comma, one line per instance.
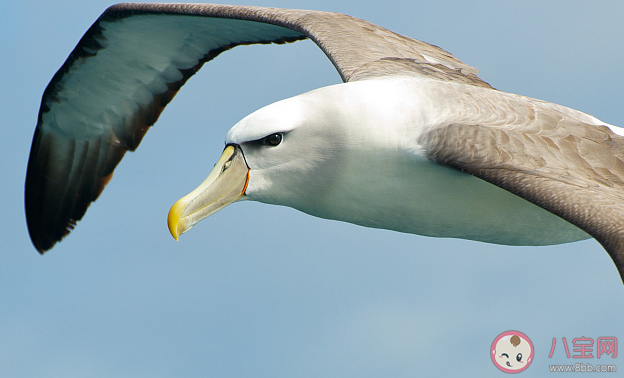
[512, 352]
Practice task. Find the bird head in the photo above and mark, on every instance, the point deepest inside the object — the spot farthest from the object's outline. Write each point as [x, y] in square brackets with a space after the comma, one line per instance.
[284, 153]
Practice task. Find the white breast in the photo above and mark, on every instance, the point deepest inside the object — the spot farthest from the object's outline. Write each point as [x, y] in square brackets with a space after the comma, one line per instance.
[386, 181]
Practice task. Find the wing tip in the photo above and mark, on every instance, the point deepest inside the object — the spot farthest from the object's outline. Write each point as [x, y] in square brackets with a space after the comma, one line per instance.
[41, 241]
[44, 236]
[56, 196]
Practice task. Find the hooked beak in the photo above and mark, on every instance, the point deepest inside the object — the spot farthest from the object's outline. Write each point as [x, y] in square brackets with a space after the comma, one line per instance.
[225, 184]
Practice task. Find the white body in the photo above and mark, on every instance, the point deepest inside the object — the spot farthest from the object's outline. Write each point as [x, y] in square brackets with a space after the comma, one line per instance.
[357, 159]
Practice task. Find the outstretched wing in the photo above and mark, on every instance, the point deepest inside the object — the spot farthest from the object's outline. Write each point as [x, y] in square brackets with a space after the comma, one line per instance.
[562, 163]
[134, 59]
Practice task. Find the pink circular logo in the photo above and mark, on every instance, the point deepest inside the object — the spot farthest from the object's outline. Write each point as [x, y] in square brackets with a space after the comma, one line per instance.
[512, 352]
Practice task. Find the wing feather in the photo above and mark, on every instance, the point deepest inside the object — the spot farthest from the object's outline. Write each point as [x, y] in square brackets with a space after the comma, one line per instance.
[571, 168]
[133, 60]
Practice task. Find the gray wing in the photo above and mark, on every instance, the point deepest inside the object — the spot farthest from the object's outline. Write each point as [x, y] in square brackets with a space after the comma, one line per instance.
[570, 168]
[133, 60]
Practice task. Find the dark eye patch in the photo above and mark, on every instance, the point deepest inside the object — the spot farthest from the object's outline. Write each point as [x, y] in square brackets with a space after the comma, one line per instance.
[270, 140]
[273, 139]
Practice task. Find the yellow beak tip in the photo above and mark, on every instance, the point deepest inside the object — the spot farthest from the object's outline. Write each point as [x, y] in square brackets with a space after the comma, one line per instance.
[173, 219]
[226, 183]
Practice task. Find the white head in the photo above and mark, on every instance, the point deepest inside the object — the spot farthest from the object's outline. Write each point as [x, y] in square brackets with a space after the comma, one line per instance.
[284, 153]
[294, 153]
[291, 149]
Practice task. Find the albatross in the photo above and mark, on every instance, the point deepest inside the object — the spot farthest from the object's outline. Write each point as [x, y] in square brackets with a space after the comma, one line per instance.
[412, 140]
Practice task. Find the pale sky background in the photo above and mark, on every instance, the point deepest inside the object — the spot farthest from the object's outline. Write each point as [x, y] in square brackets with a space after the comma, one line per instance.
[266, 291]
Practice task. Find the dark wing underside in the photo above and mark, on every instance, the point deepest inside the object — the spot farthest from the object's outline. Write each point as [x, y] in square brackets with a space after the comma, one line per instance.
[132, 61]
[572, 169]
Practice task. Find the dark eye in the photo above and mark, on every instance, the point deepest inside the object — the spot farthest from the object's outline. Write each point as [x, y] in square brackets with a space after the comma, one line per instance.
[273, 139]
[519, 357]
[505, 354]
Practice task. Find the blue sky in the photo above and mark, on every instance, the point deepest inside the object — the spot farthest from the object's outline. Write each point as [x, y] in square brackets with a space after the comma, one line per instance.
[259, 290]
